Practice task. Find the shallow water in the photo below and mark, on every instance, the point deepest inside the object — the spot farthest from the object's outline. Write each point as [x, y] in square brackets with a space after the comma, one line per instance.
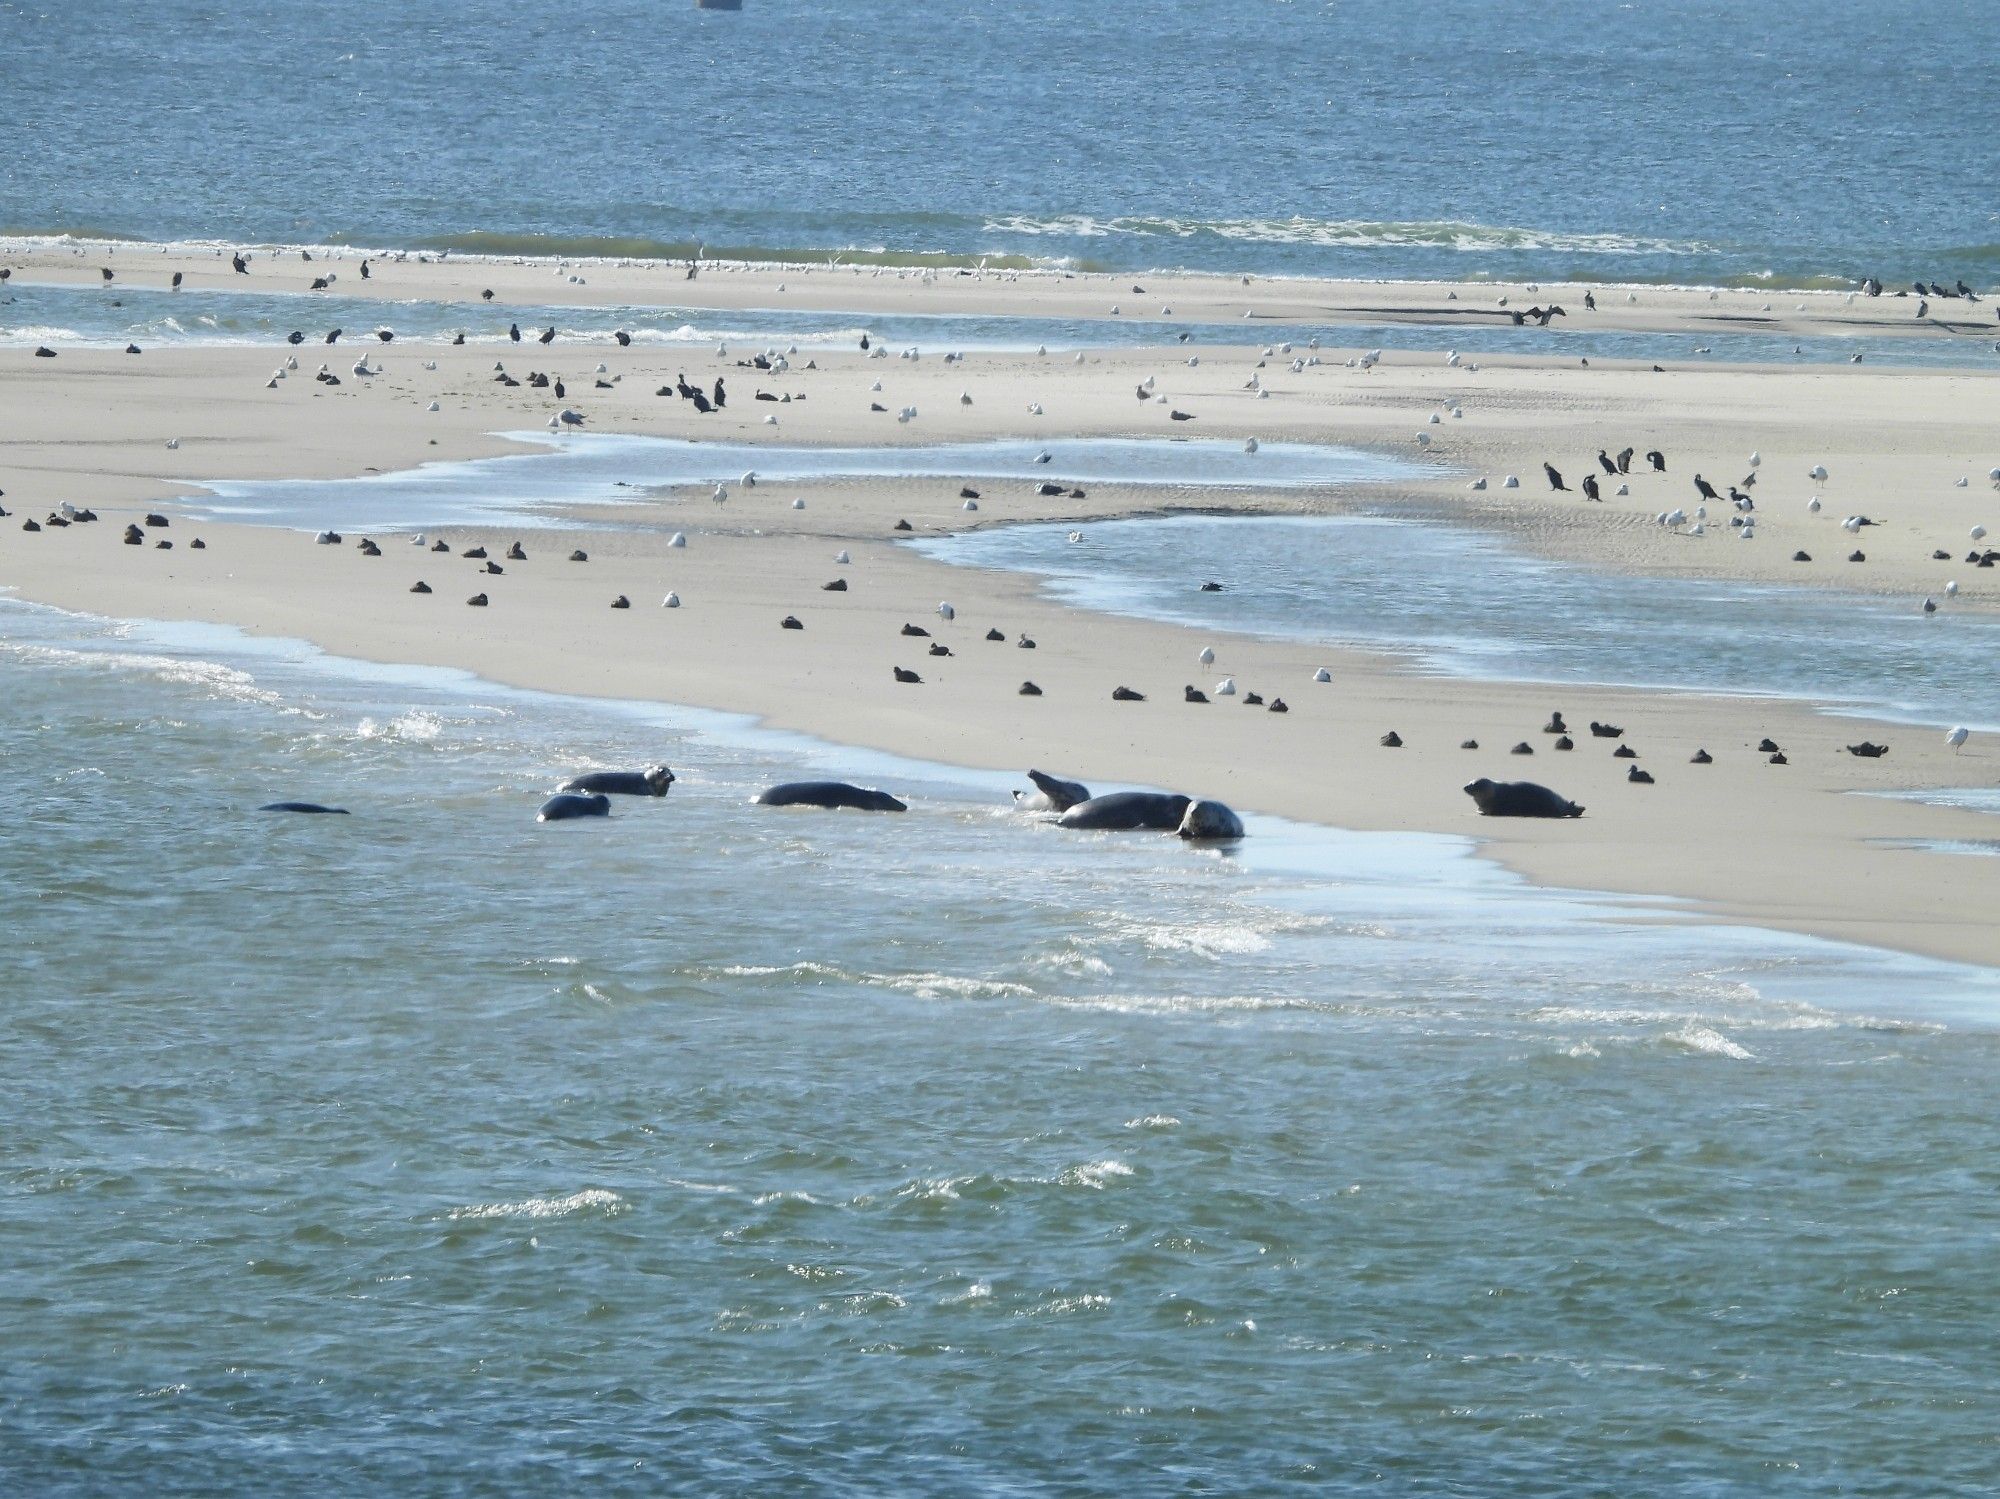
[431, 1149]
[1463, 603]
[611, 469]
[149, 315]
[1565, 139]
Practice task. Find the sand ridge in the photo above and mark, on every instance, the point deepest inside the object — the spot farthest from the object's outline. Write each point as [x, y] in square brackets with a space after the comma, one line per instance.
[1783, 846]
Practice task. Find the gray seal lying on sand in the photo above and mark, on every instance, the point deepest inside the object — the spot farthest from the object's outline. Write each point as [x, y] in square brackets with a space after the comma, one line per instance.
[565, 805]
[1124, 811]
[1518, 799]
[1051, 795]
[653, 781]
[828, 794]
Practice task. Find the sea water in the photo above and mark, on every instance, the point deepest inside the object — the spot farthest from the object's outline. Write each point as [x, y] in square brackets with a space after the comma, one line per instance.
[712, 1146]
[527, 489]
[1782, 143]
[1465, 602]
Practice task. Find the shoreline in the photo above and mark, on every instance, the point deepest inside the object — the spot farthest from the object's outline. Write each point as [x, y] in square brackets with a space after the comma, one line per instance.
[1744, 842]
[602, 252]
[1192, 296]
[1262, 855]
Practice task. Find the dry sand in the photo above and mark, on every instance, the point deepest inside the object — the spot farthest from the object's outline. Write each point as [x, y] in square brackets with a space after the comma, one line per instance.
[1780, 846]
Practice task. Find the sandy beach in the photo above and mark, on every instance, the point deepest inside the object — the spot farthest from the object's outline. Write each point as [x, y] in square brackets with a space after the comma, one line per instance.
[1787, 847]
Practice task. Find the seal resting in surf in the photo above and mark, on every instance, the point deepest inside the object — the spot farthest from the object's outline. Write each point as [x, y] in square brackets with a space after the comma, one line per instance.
[828, 794]
[1518, 799]
[1126, 811]
[652, 781]
[311, 807]
[565, 805]
[1051, 795]
[1210, 821]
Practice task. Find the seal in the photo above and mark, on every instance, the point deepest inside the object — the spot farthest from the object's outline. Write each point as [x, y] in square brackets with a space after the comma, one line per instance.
[1051, 795]
[1518, 799]
[1125, 811]
[311, 807]
[564, 805]
[828, 794]
[652, 781]
[1210, 821]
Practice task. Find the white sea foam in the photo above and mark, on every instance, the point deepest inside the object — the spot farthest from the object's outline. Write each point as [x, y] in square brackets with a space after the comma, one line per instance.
[1176, 1004]
[1447, 234]
[1201, 939]
[415, 727]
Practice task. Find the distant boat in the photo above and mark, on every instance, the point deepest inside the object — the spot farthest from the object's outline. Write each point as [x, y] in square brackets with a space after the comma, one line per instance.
[718, 4]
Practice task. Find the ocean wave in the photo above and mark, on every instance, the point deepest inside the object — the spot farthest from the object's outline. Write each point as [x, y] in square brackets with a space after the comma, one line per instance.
[39, 333]
[1093, 1174]
[212, 677]
[1444, 234]
[1064, 1306]
[949, 986]
[590, 1199]
[1709, 1043]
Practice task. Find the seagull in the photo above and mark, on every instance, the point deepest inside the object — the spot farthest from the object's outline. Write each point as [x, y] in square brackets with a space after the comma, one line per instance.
[945, 611]
[1956, 738]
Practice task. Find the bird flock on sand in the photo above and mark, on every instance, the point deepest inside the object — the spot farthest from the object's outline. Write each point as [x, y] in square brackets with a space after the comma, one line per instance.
[1068, 802]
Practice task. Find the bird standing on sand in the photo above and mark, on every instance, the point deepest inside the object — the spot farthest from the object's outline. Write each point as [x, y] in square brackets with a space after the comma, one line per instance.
[1707, 489]
[1555, 477]
[1658, 460]
[1956, 738]
[514, 332]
